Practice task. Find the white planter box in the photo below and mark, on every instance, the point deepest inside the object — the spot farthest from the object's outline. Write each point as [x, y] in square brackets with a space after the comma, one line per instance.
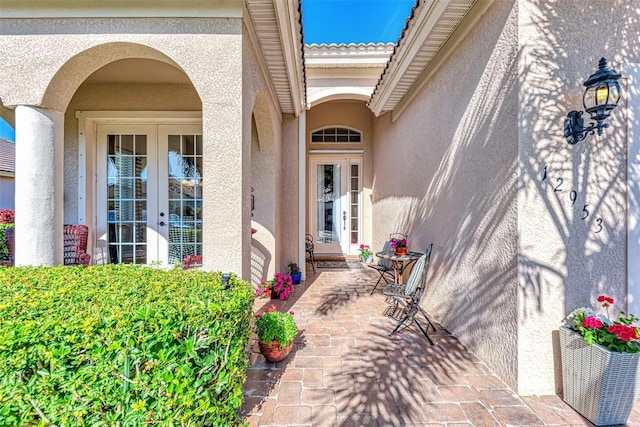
[600, 384]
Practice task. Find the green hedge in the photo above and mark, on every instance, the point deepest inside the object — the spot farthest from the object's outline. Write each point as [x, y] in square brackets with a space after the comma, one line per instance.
[122, 345]
[4, 250]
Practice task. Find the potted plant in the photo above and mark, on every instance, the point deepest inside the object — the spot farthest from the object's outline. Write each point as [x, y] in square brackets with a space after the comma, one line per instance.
[295, 272]
[275, 331]
[365, 254]
[281, 286]
[600, 364]
[400, 246]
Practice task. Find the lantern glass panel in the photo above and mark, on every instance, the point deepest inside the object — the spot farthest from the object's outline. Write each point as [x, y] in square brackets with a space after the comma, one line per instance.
[602, 94]
[589, 99]
[614, 90]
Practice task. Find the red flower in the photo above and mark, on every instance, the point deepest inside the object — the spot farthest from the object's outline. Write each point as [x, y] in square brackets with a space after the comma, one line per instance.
[291, 313]
[605, 300]
[592, 322]
[624, 332]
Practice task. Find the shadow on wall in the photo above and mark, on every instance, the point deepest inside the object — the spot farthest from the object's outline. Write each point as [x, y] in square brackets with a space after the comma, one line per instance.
[260, 260]
[467, 207]
[491, 267]
[582, 187]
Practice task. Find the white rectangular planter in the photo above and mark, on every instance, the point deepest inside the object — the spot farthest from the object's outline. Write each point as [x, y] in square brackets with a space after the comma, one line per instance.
[600, 384]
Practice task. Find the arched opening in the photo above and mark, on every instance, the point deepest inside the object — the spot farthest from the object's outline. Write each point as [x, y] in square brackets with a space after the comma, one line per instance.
[135, 125]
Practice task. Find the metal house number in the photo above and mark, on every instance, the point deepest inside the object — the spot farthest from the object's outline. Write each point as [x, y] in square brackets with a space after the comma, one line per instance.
[559, 186]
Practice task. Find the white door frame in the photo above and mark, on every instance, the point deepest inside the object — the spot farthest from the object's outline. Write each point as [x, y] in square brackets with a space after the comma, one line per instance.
[88, 159]
[347, 246]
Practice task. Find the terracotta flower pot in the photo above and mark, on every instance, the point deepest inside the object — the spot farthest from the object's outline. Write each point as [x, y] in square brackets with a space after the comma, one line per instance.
[401, 251]
[273, 352]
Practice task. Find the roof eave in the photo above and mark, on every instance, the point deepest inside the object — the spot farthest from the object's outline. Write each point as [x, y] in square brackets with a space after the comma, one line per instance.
[400, 82]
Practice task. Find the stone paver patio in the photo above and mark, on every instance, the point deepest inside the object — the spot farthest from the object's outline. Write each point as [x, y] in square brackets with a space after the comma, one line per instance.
[345, 370]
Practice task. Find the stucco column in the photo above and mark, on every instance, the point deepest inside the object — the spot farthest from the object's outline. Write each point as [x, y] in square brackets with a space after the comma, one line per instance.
[39, 186]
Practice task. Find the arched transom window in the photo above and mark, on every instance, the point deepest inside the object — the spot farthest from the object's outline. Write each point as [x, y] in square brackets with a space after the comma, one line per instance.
[336, 135]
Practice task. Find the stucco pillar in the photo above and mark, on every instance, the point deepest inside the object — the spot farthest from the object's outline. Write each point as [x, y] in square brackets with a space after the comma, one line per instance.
[39, 186]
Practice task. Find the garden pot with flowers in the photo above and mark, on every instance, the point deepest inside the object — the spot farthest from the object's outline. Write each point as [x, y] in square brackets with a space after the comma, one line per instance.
[365, 254]
[275, 331]
[400, 246]
[295, 272]
[600, 364]
[281, 286]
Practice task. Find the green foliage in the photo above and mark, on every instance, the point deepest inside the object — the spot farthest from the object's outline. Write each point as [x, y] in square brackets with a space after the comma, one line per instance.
[121, 345]
[274, 325]
[4, 250]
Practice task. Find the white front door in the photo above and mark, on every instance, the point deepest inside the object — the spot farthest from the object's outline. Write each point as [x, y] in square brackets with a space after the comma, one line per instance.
[149, 192]
[335, 204]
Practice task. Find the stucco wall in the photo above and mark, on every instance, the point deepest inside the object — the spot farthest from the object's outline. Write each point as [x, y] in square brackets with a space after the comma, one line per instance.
[354, 115]
[263, 125]
[564, 262]
[446, 173]
[59, 54]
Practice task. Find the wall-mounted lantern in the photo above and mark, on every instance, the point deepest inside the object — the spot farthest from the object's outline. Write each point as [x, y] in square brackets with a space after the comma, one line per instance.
[600, 98]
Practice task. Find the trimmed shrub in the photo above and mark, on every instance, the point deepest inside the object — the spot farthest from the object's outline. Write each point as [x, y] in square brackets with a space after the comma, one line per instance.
[4, 250]
[122, 345]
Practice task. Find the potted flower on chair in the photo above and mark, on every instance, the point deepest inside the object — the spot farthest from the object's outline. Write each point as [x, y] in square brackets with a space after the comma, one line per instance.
[295, 272]
[275, 331]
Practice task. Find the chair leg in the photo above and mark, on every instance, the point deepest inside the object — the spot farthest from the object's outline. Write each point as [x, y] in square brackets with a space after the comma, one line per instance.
[313, 261]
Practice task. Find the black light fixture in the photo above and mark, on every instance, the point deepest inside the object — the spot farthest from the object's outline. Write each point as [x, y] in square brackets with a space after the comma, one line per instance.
[600, 98]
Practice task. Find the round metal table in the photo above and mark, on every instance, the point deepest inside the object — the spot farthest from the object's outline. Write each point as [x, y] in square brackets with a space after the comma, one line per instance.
[400, 262]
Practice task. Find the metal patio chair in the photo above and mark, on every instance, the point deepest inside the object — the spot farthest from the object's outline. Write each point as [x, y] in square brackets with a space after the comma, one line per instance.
[406, 296]
[308, 248]
[384, 267]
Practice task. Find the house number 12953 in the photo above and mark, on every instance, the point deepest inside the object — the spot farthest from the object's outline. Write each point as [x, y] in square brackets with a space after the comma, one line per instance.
[573, 198]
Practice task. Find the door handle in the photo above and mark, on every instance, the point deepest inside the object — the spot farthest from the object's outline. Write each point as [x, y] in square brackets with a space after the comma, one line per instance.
[344, 220]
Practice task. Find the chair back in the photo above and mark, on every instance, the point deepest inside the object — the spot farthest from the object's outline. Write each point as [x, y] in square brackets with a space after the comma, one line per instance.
[75, 245]
[387, 264]
[418, 279]
[308, 243]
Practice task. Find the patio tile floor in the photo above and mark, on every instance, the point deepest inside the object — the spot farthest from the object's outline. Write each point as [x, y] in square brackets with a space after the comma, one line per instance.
[345, 370]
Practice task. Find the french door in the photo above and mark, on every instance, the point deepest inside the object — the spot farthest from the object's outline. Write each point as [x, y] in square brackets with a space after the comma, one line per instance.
[335, 204]
[149, 192]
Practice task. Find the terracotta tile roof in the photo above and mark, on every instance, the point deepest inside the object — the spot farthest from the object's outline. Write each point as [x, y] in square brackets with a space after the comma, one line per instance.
[7, 156]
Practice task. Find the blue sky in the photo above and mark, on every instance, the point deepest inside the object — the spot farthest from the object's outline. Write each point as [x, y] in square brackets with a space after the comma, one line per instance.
[354, 21]
[6, 131]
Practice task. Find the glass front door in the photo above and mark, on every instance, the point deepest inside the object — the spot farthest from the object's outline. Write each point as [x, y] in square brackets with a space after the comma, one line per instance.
[149, 192]
[335, 204]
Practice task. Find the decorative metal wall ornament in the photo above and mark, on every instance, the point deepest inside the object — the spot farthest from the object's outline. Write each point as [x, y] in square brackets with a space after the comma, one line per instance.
[253, 202]
[600, 98]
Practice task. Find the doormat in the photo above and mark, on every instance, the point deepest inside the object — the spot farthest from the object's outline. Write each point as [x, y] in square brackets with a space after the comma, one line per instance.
[339, 264]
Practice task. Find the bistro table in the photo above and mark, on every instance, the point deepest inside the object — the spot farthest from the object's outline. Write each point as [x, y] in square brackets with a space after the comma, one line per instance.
[400, 262]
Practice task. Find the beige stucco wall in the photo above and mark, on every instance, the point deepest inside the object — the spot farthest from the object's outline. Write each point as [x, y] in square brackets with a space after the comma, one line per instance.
[446, 173]
[355, 115]
[563, 263]
[58, 54]
[263, 123]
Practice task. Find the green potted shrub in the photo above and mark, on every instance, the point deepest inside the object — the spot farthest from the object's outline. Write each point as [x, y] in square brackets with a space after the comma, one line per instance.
[275, 331]
[295, 272]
